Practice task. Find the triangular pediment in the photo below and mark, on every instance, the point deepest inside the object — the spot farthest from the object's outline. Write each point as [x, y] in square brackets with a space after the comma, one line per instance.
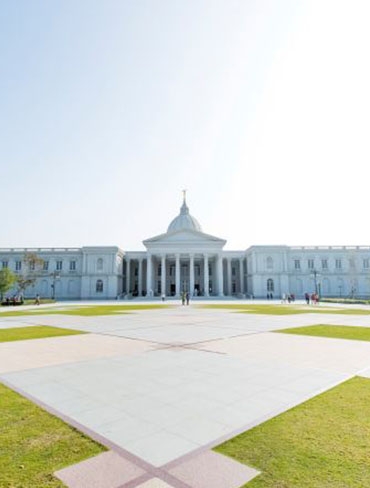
[185, 236]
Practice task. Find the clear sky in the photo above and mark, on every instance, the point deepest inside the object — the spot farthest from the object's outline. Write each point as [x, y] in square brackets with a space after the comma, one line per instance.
[259, 108]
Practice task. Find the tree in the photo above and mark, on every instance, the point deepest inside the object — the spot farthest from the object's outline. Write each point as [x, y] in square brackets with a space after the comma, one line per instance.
[7, 280]
[31, 267]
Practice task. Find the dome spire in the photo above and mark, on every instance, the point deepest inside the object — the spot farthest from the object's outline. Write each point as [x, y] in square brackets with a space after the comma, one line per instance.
[184, 221]
[184, 208]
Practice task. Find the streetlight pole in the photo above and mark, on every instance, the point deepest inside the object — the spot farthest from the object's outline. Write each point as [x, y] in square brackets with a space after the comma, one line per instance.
[315, 273]
[55, 276]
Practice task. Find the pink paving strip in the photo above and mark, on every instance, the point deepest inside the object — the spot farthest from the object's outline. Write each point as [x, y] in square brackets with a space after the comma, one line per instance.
[210, 469]
[107, 470]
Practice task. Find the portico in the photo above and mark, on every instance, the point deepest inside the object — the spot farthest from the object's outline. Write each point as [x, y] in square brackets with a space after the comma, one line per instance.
[184, 259]
[173, 273]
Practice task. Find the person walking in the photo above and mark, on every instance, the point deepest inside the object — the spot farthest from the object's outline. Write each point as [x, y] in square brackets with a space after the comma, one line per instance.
[187, 298]
[183, 298]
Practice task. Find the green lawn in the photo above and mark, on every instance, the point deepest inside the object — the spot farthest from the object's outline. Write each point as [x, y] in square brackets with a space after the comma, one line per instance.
[34, 332]
[87, 310]
[285, 309]
[34, 444]
[323, 443]
[335, 331]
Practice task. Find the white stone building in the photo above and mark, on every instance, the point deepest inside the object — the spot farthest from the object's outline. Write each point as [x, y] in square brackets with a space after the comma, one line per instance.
[186, 258]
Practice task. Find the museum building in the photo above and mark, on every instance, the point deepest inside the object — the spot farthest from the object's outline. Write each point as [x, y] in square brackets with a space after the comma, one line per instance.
[186, 259]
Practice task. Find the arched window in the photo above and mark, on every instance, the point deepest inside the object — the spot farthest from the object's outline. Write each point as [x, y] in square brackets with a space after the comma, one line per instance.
[99, 286]
[269, 263]
[99, 264]
[270, 285]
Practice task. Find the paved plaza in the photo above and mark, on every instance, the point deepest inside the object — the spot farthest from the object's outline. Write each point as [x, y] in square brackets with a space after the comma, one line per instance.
[162, 387]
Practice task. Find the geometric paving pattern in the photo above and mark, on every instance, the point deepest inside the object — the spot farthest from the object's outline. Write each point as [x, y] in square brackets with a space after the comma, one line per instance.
[161, 387]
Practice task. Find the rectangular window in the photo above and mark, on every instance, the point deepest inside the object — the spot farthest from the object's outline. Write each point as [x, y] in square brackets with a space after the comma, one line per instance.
[233, 271]
[338, 264]
[5, 264]
[72, 265]
[209, 270]
[159, 269]
[324, 264]
[297, 264]
[18, 265]
[59, 265]
[366, 263]
[45, 266]
[310, 264]
[32, 265]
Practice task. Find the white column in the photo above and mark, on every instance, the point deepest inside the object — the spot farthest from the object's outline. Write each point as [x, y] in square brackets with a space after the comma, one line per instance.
[191, 290]
[140, 280]
[229, 288]
[177, 275]
[149, 290]
[206, 276]
[128, 272]
[220, 273]
[241, 274]
[163, 275]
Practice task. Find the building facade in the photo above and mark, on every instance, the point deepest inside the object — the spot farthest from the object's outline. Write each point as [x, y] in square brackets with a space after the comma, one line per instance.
[186, 259]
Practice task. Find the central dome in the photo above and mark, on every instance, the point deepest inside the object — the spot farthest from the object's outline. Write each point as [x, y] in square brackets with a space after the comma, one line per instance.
[184, 221]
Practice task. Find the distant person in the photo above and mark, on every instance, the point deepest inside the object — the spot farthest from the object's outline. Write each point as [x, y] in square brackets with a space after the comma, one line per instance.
[163, 297]
[183, 298]
[307, 298]
[187, 298]
[37, 300]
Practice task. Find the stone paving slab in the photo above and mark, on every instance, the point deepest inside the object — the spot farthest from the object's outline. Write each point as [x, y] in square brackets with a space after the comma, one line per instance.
[210, 469]
[35, 353]
[179, 325]
[179, 401]
[107, 470]
[6, 324]
[336, 355]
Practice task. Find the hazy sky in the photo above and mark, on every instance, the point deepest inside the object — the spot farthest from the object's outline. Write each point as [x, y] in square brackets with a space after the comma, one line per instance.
[109, 108]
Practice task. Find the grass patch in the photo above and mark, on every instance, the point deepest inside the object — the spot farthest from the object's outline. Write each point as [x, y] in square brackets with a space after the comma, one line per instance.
[333, 331]
[34, 332]
[322, 443]
[34, 444]
[283, 309]
[87, 311]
